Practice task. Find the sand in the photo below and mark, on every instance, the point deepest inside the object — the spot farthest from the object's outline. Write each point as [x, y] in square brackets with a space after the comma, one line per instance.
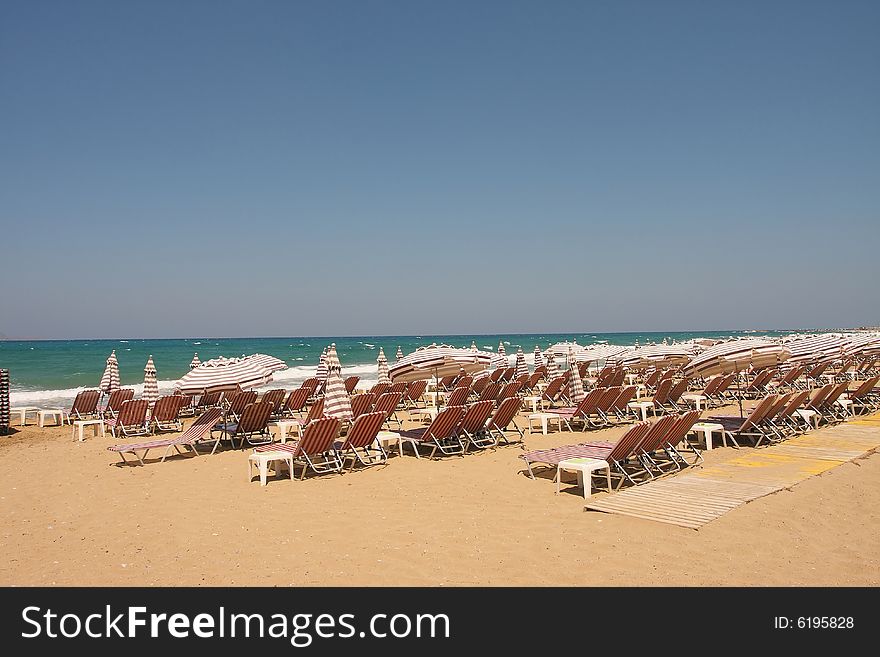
[70, 516]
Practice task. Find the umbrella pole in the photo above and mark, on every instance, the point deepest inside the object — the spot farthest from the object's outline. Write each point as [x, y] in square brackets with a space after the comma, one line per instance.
[738, 390]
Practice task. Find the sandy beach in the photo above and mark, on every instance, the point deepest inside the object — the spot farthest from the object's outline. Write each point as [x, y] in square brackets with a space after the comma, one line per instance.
[69, 515]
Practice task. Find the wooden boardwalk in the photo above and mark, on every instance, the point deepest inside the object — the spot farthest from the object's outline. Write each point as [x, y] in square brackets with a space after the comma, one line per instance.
[694, 498]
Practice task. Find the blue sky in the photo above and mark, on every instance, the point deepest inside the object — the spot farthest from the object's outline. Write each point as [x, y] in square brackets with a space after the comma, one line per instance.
[340, 168]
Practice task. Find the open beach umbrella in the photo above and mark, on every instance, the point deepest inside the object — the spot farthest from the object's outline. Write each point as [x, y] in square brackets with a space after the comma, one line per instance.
[110, 378]
[151, 386]
[322, 366]
[815, 348]
[736, 356]
[600, 352]
[438, 361]
[501, 349]
[337, 403]
[552, 368]
[521, 367]
[227, 373]
[399, 353]
[195, 362]
[539, 359]
[575, 385]
[862, 345]
[383, 367]
[658, 355]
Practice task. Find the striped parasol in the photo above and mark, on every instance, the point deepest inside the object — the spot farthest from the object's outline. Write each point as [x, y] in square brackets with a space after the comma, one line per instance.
[336, 400]
[600, 352]
[195, 362]
[521, 367]
[399, 353]
[438, 360]
[151, 385]
[552, 368]
[383, 367]
[815, 348]
[862, 345]
[501, 349]
[227, 373]
[110, 378]
[322, 366]
[657, 355]
[474, 345]
[736, 355]
[575, 385]
[539, 359]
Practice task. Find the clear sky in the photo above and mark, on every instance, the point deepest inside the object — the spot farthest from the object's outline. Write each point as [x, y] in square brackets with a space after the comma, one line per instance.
[365, 167]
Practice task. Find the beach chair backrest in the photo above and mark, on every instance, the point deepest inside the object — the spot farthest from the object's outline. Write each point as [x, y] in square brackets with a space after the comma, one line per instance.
[415, 390]
[254, 417]
[533, 380]
[274, 397]
[606, 401]
[350, 383]
[319, 436]
[652, 378]
[819, 395]
[661, 395]
[387, 403]
[509, 390]
[167, 408]
[445, 423]
[758, 413]
[202, 425]
[241, 400]
[553, 388]
[480, 385]
[619, 377]
[447, 381]
[864, 388]
[836, 391]
[362, 403]
[496, 375]
[678, 390]
[475, 417]
[681, 428]
[364, 430]
[85, 402]
[726, 382]
[797, 401]
[712, 386]
[625, 397]
[459, 396]
[380, 389]
[658, 433]
[590, 403]
[630, 441]
[297, 399]
[505, 413]
[117, 397]
[778, 406]
[542, 370]
[311, 383]
[316, 410]
[209, 399]
[490, 392]
[133, 413]
[398, 387]
[464, 380]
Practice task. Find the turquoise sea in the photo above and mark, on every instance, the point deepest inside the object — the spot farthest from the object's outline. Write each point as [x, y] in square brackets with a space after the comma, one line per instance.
[50, 372]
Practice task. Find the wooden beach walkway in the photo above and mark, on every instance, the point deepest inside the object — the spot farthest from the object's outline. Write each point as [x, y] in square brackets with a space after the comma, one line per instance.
[692, 499]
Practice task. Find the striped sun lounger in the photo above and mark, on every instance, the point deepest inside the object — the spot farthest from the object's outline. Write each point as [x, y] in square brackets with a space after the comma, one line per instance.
[188, 438]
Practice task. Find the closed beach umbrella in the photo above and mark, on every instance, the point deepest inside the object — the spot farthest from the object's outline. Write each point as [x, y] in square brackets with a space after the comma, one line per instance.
[228, 373]
[110, 378]
[552, 369]
[151, 386]
[575, 385]
[521, 367]
[539, 359]
[399, 353]
[336, 400]
[501, 348]
[195, 362]
[322, 366]
[383, 367]
[474, 345]
[438, 360]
